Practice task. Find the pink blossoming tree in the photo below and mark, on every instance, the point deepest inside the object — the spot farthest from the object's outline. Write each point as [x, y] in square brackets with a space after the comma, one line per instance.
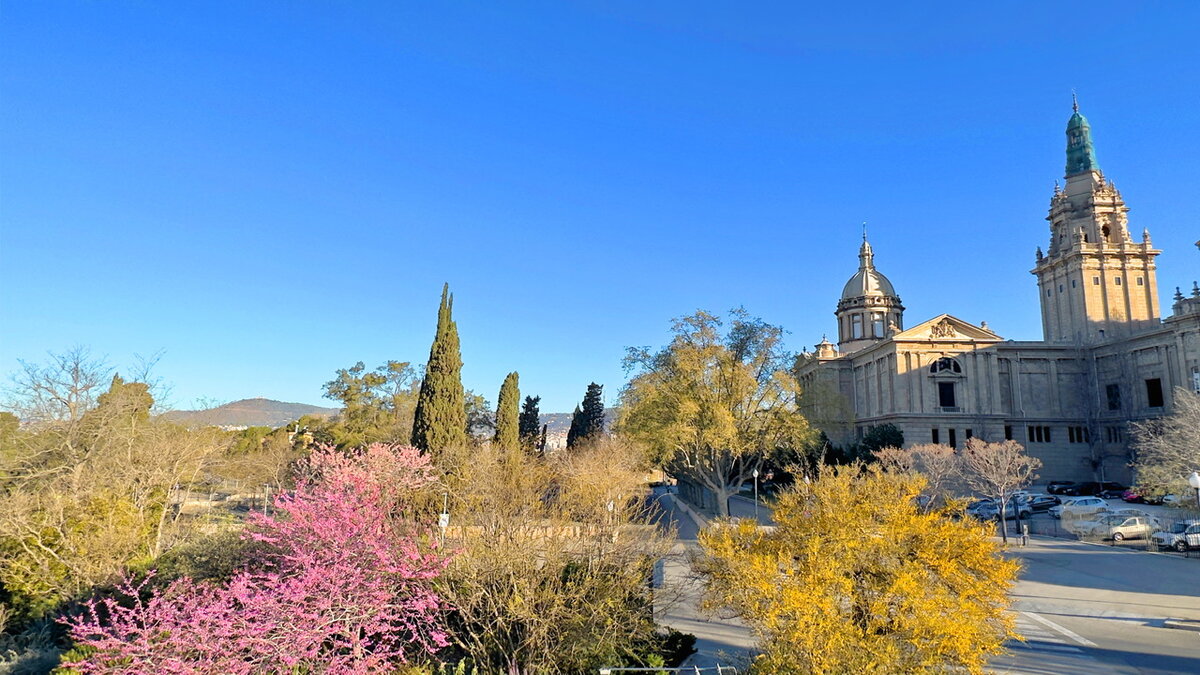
[345, 588]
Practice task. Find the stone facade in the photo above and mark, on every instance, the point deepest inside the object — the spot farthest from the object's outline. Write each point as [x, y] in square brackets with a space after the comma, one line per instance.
[1107, 358]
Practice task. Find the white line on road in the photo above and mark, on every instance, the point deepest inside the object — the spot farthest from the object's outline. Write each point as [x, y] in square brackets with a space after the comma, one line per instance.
[1071, 634]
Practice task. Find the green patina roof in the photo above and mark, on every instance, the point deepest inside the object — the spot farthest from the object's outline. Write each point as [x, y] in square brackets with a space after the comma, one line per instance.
[1081, 156]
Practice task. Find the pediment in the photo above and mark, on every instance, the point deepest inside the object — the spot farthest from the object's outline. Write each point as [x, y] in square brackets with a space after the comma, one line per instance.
[946, 327]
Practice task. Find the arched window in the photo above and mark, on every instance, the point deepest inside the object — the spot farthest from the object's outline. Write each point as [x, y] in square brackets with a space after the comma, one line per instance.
[945, 364]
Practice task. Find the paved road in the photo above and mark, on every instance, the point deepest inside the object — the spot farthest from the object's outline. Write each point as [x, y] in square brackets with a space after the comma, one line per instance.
[1095, 609]
[719, 640]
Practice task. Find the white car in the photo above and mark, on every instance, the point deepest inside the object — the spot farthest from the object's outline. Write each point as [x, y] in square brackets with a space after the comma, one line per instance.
[1183, 535]
[1076, 507]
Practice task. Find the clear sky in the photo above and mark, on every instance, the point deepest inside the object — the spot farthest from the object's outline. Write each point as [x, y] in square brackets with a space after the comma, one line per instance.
[268, 192]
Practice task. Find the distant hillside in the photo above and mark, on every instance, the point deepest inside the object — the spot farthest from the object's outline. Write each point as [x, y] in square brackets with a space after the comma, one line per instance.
[251, 412]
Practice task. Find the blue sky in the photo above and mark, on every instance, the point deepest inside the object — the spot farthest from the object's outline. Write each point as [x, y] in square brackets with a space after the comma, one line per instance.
[267, 192]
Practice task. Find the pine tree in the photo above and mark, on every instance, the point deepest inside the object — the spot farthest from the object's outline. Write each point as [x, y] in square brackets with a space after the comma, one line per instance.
[441, 418]
[507, 436]
[593, 411]
[529, 423]
[573, 434]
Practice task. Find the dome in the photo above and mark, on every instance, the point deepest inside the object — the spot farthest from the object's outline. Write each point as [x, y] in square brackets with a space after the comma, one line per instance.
[867, 280]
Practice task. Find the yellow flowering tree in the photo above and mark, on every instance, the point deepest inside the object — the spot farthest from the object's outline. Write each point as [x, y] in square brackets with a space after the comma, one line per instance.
[856, 578]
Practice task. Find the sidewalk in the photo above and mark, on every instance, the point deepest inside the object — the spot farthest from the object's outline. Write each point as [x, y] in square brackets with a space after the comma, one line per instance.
[719, 639]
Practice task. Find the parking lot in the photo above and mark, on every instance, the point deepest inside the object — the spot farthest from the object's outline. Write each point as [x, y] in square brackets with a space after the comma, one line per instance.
[1161, 517]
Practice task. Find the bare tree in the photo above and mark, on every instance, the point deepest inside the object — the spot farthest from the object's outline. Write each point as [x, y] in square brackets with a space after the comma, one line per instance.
[939, 464]
[1168, 448]
[997, 470]
[61, 390]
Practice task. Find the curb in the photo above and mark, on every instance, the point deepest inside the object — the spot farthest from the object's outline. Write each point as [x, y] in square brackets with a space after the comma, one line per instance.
[701, 521]
[1183, 624]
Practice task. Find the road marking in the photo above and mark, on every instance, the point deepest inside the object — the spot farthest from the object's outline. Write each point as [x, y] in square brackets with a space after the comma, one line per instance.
[1071, 634]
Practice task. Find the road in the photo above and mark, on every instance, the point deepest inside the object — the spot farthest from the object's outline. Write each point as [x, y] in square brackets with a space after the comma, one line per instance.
[1085, 608]
[1081, 608]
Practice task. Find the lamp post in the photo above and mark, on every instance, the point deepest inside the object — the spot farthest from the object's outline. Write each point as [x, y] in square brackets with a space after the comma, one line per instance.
[755, 474]
[1194, 481]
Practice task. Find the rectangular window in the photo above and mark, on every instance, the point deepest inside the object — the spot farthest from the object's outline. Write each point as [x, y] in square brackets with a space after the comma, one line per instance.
[934, 436]
[1072, 283]
[1095, 281]
[1008, 432]
[969, 435]
[1039, 434]
[1141, 282]
[1060, 288]
[1196, 379]
[1077, 435]
[1113, 393]
[953, 438]
[1114, 434]
[946, 394]
[1154, 393]
[877, 325]
[856, 327]
[1117, 280]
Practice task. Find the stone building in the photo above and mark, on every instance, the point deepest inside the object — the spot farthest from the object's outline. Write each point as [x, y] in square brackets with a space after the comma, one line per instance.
[1107, 357]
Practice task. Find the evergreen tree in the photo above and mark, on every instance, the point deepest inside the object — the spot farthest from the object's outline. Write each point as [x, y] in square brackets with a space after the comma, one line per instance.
[507, 436]
[573, 434]
[541, 445]
[529, 423]
[593, 411]
[441, 419]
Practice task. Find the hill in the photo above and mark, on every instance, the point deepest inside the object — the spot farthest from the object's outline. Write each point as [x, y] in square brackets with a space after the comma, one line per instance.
[250, 412]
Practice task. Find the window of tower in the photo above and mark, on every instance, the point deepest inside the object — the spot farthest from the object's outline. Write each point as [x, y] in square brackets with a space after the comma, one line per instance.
[1072, 283]
[1117, 280]
[856, 326]
[1104, 231]
[1095, 281]
[1060, 288]
[877, 325]
[1141, 281]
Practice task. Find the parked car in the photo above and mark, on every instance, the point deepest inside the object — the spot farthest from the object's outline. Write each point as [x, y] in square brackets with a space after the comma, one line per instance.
[1081, 489]
[1112, 490]
[981, 509]
[1183, 535]
[1041, 503]
[1117, 527]
[1055, 487]
[989, 510]
[1078, 506]
[1133, 497]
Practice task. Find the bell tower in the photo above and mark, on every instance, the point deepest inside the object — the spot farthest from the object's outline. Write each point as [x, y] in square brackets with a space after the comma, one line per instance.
[1094, 281]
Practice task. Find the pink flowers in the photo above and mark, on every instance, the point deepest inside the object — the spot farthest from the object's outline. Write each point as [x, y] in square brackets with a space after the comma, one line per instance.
[346, 587]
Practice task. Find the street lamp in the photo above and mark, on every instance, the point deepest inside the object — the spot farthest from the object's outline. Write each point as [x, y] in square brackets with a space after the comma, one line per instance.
[1194, 481]
[755, 474]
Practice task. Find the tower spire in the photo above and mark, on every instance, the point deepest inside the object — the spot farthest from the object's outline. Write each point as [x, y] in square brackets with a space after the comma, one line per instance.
[1081, 156]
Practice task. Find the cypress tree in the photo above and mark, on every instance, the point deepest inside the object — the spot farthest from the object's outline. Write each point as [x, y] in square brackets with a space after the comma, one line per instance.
[541, 444]
[529, 423]
[593, 411]
[440, 421]
[573, 434]
[507, 436]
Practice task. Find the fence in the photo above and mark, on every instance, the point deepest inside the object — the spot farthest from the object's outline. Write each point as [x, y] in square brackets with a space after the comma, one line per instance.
[1079, 529]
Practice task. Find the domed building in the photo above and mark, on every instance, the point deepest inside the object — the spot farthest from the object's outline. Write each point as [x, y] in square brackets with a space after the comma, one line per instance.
[1107, 357]
[869, 309]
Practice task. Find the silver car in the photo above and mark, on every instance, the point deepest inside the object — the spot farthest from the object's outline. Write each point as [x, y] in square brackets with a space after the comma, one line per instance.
[1118, 527]
[1183, 535]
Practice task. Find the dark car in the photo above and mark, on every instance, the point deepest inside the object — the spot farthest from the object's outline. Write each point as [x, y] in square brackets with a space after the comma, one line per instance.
[1056, 487]
[1087, 489]
[1112, 490]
